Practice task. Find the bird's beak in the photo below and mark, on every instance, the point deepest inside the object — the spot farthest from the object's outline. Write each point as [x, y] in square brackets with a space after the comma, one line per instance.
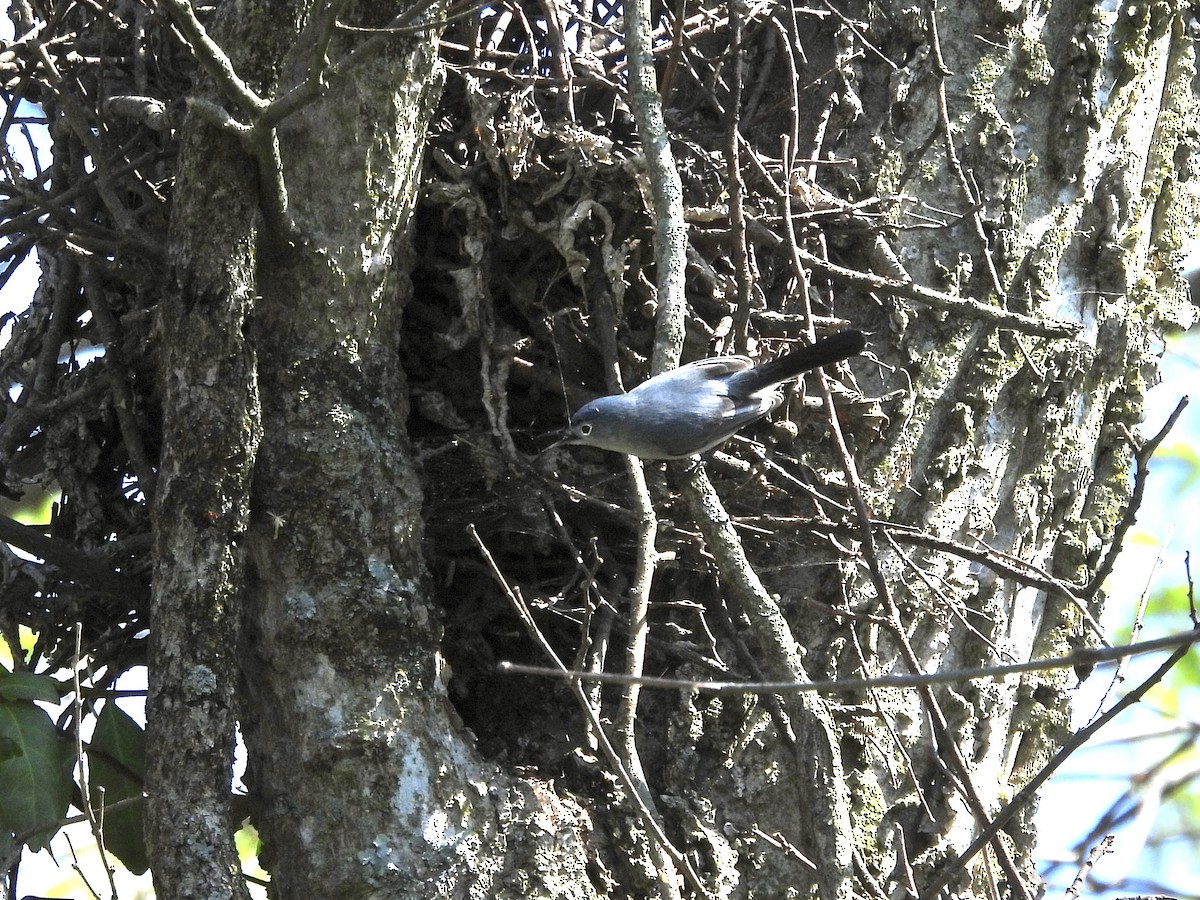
[553, 439]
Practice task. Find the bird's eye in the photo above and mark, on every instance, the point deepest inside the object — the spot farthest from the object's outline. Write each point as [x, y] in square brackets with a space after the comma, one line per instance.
[585, 430]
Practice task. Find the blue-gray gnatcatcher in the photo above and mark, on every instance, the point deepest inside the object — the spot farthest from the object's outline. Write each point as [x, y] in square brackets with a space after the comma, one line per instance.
[695, 407]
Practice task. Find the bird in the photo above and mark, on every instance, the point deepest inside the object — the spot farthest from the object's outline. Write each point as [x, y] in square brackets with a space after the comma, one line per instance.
[696, 407]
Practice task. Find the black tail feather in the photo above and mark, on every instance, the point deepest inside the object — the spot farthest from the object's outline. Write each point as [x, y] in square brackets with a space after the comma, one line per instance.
[824, 352]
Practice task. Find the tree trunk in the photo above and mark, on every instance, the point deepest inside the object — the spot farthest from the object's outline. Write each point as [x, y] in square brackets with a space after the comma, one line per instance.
[361, 777]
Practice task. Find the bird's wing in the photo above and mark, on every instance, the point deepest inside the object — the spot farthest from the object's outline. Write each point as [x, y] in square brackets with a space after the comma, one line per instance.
[717, 367]
[689, 409]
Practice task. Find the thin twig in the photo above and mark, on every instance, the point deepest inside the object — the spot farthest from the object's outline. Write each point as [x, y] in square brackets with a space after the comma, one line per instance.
[1105, 846]
[85, 781]
[1142, 456]
[973, 203]
[963, 306]
[676, 48]
[733, 183]
[1085, 656]
[1004, 564]
[1139, 616]
[1191, 585]
[639, 624]
[890, 726]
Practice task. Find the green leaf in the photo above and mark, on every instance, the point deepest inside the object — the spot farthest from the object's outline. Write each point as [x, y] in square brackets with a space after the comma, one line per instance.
[27, 686]
[35, 772]
[121, 739]
[116, 763]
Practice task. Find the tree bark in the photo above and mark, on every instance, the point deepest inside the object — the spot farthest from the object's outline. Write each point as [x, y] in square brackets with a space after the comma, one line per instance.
[201, 507]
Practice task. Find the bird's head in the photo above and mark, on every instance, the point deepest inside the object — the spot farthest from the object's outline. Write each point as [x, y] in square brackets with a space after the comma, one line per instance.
[595, 424]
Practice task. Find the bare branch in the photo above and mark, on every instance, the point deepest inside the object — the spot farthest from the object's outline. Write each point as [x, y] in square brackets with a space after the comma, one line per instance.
[1143, 452]
[818, 756]
[213, 58]
[1085, 656]
[670, 230]
[963, 306]
[73, 563]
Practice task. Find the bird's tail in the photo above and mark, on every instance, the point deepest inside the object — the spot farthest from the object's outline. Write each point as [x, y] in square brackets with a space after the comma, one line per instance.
[824, 352]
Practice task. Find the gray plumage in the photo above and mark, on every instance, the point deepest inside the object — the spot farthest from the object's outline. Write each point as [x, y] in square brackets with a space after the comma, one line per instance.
[695, 407]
